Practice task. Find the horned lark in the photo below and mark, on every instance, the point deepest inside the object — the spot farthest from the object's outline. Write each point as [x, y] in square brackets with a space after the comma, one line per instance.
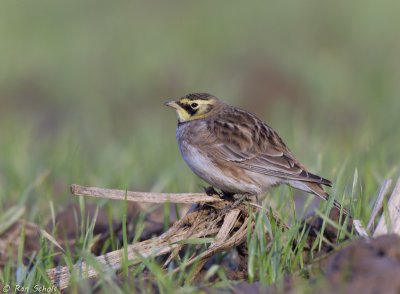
[234, 151]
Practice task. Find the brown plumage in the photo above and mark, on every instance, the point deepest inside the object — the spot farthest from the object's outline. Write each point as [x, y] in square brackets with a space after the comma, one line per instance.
[235, 151]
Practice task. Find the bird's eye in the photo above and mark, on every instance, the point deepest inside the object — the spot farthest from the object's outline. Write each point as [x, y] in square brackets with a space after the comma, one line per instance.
[194, 105]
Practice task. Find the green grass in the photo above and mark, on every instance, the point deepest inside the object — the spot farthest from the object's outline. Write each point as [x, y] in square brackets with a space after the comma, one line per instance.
[81, 92]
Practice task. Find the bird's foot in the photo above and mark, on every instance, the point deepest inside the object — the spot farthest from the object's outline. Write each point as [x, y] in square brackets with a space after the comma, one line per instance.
[210, 191]
[240, 199]
[228, 196]
[235, 203]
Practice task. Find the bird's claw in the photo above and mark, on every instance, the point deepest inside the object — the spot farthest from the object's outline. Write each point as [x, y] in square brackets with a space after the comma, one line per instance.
[210, 191]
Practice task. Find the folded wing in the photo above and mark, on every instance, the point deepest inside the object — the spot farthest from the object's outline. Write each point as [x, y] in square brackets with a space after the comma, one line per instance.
[256, 147]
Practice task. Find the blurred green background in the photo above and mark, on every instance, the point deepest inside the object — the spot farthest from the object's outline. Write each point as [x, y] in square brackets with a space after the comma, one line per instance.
[82, 86]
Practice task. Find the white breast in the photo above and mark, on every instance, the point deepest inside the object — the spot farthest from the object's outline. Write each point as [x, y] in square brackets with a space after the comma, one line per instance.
[202, 166]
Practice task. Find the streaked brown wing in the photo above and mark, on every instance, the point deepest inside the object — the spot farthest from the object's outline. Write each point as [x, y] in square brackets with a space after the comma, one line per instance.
[242, 138]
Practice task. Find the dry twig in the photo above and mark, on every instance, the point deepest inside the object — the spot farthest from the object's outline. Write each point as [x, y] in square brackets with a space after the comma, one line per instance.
[379, 202]
[212, 219]
[148, 197]
[391, 222]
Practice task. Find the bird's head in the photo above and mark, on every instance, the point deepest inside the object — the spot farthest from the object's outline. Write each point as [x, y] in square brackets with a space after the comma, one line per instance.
[194, 106]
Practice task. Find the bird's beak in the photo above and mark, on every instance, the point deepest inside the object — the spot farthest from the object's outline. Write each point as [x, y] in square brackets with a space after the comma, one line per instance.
[172, 104]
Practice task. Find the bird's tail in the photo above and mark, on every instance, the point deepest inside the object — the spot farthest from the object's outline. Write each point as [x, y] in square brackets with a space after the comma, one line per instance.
[318, 190]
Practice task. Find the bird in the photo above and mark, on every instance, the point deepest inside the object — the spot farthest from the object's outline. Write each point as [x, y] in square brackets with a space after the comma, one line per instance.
[236, 152]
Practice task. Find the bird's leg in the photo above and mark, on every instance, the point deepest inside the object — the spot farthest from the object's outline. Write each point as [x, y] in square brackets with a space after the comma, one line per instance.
[235, 203]
[241, 198]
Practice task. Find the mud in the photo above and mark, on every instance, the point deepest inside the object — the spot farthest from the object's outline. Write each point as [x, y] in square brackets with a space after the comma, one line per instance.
[363, 266]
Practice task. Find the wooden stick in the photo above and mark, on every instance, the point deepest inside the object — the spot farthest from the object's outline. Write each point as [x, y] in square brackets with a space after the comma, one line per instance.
[237, 238]
[359, 228]
[379, 202]
[143, 196]
[393, 215]
[61, 276]
[229, 222]
[200, 222]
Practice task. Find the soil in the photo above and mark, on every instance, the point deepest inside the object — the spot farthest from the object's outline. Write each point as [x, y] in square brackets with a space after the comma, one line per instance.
[363, 266]
[346, 266]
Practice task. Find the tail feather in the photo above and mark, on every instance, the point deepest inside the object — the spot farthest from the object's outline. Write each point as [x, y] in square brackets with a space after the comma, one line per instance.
[312, 178]
[318, 190]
